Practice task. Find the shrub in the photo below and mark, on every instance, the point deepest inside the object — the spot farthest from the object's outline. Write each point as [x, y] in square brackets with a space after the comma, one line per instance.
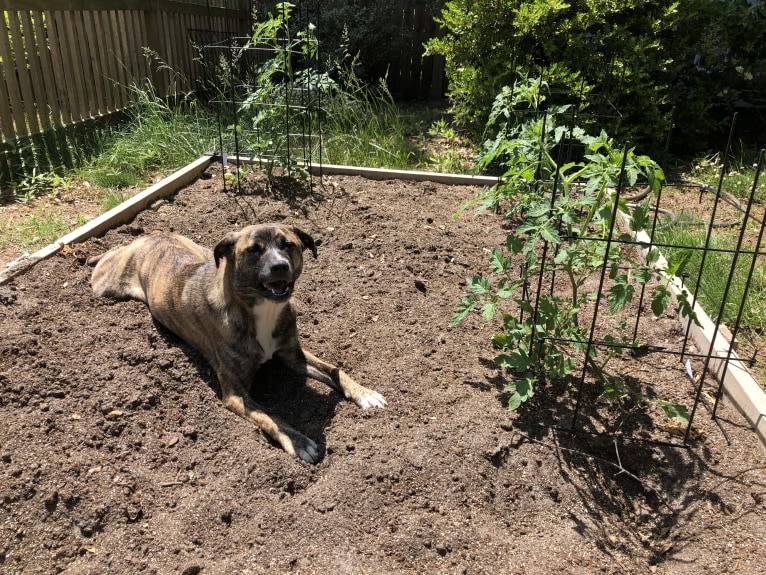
[643, 63]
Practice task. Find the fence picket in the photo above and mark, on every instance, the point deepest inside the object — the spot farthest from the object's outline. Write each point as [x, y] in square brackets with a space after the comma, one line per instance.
[118, 60]
[60, 77]
[135, 53]
[34, 67]
[25, 82]
[91, 25]
[70, 50]
[11, 81]
[44, 53]
[100, 53]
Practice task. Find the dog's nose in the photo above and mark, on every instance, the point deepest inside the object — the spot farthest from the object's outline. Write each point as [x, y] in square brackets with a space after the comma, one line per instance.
[279, 268]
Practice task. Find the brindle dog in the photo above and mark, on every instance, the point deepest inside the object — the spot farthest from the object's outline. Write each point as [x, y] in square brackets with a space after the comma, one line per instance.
[233, 305]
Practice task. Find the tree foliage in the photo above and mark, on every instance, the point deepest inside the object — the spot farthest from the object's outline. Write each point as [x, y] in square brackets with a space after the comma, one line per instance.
[645, 64]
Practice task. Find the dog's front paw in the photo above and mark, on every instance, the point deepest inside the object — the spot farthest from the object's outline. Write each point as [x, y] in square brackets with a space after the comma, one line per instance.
[302, 447]
[369, 398]
[362, 396]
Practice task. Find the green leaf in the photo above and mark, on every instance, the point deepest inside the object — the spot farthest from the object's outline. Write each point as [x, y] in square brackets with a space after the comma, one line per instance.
[526, 387]
[521, 391]
[605, 212]
[488, 310]
[507, 289]
[652, 256]
[549, 233]
[642, 274]
[547, 308]
[500, 340]
[620, 293]
[466, 306]
[685, 304]
[674, 411]
[660, 300]
[479, 285]
[678, 261]
[517, 360]
[525, 306]
[514, 244]
[538, 210]
[640, 217]
[563, 256]
[498, 262]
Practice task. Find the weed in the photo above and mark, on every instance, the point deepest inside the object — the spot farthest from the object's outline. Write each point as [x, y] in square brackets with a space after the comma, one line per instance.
[113, 198]
[441, 129]
[363, 125]
[737, 181]
[37, 230]
[718, 263]
[446, 151]
[160, 134]
[39, 184]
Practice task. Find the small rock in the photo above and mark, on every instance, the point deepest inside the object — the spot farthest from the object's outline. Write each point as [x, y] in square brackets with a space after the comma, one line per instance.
[170, 440]
[192, 569]
[326, 506]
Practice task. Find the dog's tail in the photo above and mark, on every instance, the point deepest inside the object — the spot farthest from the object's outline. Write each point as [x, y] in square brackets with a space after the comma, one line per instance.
[93, 260]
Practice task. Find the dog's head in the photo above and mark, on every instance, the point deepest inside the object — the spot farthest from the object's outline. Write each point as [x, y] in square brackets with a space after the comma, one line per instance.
[264, 260]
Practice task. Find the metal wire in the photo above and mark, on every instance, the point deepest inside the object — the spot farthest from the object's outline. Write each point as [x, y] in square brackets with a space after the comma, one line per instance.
[272, 119]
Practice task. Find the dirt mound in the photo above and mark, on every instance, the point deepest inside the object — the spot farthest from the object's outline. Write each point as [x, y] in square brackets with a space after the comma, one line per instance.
[116, 456]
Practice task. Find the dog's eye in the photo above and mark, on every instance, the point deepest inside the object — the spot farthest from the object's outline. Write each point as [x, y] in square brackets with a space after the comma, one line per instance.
[255, 249]
[285, 244]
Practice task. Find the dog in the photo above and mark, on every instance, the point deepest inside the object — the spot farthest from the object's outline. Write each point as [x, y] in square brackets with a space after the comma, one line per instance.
[233, 305]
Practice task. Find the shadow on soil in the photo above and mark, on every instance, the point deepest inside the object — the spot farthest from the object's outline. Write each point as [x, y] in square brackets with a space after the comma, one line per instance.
[297, 194]
[619, 464]
[276, 389]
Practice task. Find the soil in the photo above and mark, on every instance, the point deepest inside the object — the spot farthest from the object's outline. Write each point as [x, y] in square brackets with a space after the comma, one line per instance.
[117, 457]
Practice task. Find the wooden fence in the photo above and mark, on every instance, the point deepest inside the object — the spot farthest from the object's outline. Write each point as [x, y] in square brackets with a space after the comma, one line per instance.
[414, 76]
[66, 61]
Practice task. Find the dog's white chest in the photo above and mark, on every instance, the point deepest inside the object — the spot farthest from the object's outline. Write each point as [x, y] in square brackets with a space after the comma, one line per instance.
[266, 318]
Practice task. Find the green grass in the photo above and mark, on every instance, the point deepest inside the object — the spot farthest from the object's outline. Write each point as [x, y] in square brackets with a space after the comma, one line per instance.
[35, 231]
[113, 198]
[363, 127]
[159, 135]
[716, 273]
[738, 180]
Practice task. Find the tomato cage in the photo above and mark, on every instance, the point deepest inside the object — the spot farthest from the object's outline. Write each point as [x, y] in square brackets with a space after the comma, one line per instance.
[266, 90]
[603, 258]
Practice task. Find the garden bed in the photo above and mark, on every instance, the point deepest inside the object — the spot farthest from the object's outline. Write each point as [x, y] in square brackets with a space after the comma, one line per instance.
[116, 456]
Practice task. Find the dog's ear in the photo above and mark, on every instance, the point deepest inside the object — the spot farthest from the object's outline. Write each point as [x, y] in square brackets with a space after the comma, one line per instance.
[306, 240]
[225, 247]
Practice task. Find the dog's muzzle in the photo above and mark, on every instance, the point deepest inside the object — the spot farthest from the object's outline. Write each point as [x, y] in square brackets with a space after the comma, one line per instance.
[276, 290]
[276, 279]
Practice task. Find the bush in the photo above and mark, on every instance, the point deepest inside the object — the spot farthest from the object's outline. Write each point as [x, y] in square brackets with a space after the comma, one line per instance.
[647, 63]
